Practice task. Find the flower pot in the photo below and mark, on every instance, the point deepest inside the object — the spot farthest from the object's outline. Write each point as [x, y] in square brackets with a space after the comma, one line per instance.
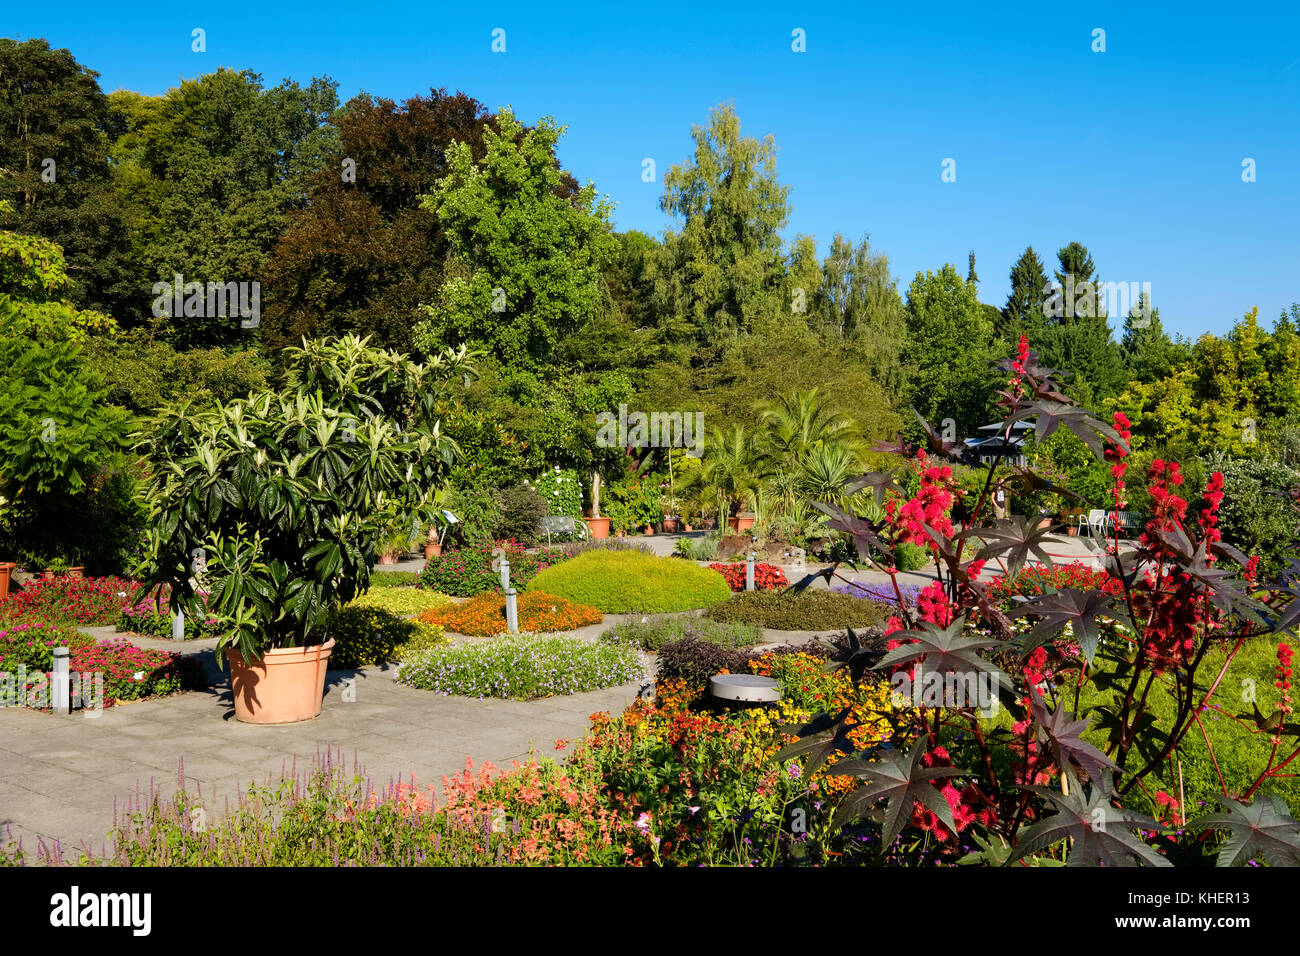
[670, 525]
[648, 529]
[284, 686]
[432, 549]
[708, 524]
[6, 571]
[597, 527]
[740, 524]
[76, 572]
[687, 527]
[388, 557]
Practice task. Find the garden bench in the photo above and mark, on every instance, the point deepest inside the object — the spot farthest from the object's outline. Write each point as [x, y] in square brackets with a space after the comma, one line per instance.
[562, 524]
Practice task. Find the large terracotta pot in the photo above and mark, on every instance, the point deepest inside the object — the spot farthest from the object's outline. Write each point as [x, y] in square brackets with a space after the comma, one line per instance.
[6, 571]
[285, 686]
[597, 527]
[432, 549]
[739, 524]
[670, 525]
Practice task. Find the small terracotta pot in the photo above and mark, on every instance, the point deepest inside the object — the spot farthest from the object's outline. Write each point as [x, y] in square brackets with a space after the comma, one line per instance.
[388, 557]
[76, 572]
[432, 549]
[6, 571]
[284, 686]
[687, 527]
[648, 530]
[597, 527]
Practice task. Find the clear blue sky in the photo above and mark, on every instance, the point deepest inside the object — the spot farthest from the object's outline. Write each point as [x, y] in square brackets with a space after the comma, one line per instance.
[1136, 152]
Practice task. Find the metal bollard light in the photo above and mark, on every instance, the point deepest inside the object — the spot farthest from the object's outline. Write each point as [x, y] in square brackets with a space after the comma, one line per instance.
[178, 626]
[61, 683]
[505, 575]
[749, 572]
[512, 611]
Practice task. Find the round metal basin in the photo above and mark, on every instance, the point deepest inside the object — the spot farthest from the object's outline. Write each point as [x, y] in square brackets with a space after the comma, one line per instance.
[746, 687]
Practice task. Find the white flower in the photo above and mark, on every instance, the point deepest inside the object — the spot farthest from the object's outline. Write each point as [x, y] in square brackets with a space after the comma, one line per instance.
[138, 675]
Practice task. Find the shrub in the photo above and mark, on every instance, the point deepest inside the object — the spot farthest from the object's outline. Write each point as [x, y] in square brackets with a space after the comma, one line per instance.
[653, 634]
[1256, 515]
[394, 579]
[366, 636]
[562, 490]
[804, 611]
[485, 614]
[468, 571]
[766, 576]
[910, 557]
[523, 667]
[697, 549]
[401, 600]
[624, 581]
[521, 516]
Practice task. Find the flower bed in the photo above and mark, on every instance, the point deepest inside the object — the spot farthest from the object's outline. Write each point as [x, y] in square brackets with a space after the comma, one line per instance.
[468, 571]
[523, 667]
[145, 618]
[619, 582]
[766, 576]
[485, 615]
[129, 672]
[1036, 579]
[67, 600]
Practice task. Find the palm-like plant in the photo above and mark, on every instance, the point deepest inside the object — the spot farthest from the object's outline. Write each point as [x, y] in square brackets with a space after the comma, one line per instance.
[732, 471]
[826, 469]
[799, 422]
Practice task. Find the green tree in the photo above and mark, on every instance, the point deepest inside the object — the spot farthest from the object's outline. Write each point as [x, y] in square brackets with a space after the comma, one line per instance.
[1145, 348]
[1023, 312]
[363, 252]
[528, 261]
[722, 273]
[947, 350]
[215, 165]
[860, 304]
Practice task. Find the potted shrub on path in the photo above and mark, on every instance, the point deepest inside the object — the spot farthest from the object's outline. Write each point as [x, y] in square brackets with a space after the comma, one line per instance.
[275, 505]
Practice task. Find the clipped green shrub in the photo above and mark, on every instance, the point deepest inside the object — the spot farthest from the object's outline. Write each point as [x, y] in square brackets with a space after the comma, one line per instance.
[619, 582]
[653, 633]
[523, 667]
[805, 611]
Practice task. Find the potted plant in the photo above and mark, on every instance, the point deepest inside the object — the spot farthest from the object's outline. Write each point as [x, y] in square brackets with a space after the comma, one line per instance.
[246, 507]
[6, 572]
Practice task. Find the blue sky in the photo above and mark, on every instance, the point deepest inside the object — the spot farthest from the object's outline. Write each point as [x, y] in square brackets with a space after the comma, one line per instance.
[1136, 152]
